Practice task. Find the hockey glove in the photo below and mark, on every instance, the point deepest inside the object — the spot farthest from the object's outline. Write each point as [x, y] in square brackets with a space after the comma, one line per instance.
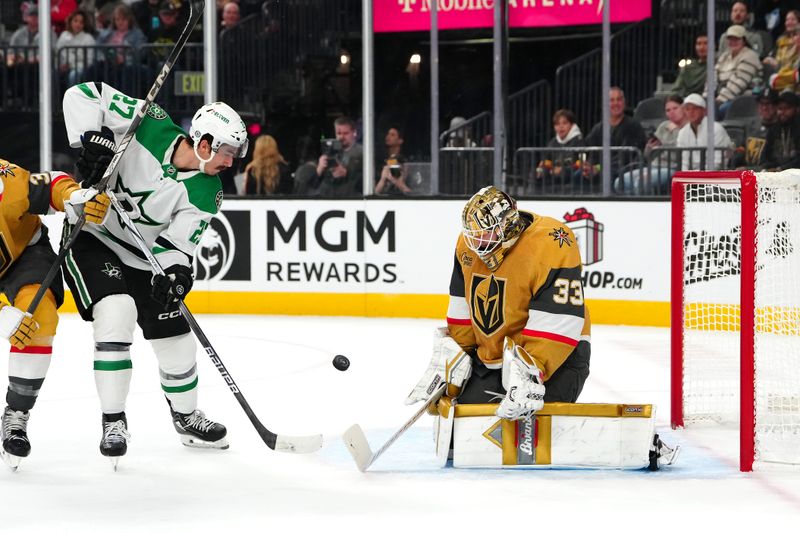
[88, 201]
[448, 363]
[97, 152]
[17, 326]
[173, 285]
[523, 382]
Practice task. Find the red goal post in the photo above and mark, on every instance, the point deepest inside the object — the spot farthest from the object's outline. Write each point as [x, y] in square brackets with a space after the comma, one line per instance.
[735, 333]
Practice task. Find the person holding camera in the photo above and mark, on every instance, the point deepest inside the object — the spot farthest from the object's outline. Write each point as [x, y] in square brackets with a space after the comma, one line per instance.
[340, 167]
[394, 172]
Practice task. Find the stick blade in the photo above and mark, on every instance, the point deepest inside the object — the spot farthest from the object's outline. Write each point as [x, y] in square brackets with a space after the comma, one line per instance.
[356, 443]
[306, 444]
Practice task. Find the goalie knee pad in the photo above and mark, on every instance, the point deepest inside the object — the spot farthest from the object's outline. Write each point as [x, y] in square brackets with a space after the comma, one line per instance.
[177, 366]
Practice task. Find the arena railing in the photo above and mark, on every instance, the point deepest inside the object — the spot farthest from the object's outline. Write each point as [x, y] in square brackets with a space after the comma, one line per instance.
[529, 114]
[469, 133]
[464, 170]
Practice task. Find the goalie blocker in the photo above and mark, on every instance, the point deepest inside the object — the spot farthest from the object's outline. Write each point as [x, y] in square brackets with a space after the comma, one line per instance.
[561, 435]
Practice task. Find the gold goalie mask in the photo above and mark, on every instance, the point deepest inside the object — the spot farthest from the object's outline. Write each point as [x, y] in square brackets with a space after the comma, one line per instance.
[491, 225]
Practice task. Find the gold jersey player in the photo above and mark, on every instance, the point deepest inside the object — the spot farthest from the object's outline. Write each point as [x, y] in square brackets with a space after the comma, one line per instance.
[517, 327]
[25, 258]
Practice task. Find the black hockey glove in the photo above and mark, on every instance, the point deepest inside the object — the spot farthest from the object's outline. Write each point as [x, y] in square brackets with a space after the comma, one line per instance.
[173, 285]
[97, 152]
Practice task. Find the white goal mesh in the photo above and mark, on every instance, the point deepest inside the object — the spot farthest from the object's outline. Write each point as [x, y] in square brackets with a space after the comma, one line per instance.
[713, 251]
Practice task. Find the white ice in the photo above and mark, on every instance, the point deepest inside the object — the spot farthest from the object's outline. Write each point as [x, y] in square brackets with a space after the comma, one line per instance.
[283, 366]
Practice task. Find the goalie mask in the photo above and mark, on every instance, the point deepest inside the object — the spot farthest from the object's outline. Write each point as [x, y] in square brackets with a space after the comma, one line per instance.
[491, 225]
[224, 125]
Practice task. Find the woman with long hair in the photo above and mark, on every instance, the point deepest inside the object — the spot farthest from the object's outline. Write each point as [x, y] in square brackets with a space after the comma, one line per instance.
[268, 172]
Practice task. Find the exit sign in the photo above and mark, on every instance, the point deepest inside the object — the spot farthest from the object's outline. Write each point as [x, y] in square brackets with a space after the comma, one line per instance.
[190, 83]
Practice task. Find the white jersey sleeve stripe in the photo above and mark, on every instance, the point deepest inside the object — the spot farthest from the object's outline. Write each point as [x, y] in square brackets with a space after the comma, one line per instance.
[458, 308]
[569, 326]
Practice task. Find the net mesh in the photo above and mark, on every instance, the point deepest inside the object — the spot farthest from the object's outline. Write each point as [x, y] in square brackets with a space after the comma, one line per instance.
[712, 266]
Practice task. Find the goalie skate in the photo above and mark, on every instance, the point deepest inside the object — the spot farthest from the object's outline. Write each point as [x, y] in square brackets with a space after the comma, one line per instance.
[14, 433]
[661, 454]
[197, 431]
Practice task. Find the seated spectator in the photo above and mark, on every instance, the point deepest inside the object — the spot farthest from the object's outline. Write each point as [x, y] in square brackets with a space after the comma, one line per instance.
[394, 171]
[231, 15]
[740, 16]
[695, 135]
[72, 62]
[119, 65]
[559, 167]
[305, 175]
[123, 32]
[60, 10]
[786, 76]
[459, 136]
[26, 36]
[170, 27]
[340, 168]
[768, 14]
[659, 171]
[625, 131]
[737, 69]
[782, 147]
[692, 77]
[784, 44]
[749, 155]
[146, 14]
[268, 172]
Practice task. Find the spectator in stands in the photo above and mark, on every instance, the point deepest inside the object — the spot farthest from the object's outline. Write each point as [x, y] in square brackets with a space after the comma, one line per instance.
[170, 26]
[340, 168]
[560, 167]
[123, 32]
[660, 169]
[782, 147]
[305, 175]
[60, 10]
[268, 173]
[625, 131]
[231, 15]
[737, 70]
[786, 76]
[784, 45]
[73, 61]
[692, 77]
[26, 36]
[146, 14]
[740, 16]
[694, 137]
[749, 154]
[768, 15]
[394, 171]
[459, 134]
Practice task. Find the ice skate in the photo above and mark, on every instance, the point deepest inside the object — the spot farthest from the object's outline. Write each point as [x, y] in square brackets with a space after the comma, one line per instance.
[661, 454]
[14, 432]
[115, 437]
[198, 431]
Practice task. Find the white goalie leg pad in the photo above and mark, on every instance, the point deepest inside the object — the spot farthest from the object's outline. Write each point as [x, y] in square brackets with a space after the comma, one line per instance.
[443, 430]
[177, 367]
[561, 435]
[448, 362]
[114, 320]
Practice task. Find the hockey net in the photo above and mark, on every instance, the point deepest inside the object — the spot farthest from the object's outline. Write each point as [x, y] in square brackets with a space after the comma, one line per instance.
[736, 308]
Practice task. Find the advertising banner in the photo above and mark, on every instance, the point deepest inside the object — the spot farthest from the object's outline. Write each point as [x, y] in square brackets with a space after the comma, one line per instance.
[414, 15]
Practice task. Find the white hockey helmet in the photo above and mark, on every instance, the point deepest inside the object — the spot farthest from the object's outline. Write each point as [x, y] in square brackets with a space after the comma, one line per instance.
[223, 124]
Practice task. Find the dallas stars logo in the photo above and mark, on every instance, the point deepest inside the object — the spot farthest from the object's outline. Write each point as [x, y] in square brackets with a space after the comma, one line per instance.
[112, 271]
[139, 198]
[561, 235]
[156, 112]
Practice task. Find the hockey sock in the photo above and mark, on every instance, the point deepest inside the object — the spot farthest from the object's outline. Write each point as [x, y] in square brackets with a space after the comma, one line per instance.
[178, 371]
[27, 369]
[114, 320]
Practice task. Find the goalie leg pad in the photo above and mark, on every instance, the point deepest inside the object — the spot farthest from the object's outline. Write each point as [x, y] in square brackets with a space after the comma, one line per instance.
[561, 435]
[443, 430]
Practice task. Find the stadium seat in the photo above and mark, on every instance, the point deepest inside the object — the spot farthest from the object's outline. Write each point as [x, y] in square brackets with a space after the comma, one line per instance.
[742, 114]
[650, 113]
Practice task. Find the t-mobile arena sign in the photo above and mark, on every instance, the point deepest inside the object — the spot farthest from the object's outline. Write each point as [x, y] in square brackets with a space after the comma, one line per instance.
[415, 15]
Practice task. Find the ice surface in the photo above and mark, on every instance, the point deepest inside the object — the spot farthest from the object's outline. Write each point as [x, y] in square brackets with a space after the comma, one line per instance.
[283, 366]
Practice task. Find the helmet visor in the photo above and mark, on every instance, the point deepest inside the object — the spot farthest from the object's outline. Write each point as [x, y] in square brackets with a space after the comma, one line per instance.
[234, 152]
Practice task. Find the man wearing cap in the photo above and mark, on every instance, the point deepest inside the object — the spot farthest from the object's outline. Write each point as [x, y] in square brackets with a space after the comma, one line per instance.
[740, 16]
[749, 155]
[782, 148]
[27, 35]
[737, 69]
[693, 135]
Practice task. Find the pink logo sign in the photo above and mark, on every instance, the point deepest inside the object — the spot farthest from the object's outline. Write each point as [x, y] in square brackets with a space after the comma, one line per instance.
[415, 15]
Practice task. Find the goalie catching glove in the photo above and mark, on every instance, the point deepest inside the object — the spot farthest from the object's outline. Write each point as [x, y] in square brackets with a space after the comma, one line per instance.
[173, 285]
[523, 382]
[16, 326]
[449, 363]
[89, 201]
[96, 154]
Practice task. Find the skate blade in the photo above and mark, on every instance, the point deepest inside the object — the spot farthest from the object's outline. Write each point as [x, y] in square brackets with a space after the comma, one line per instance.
[12, 461]
[194, 442]
[114, 462]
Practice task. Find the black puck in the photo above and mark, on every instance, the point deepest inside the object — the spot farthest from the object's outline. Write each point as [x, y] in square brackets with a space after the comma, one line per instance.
[341, 362]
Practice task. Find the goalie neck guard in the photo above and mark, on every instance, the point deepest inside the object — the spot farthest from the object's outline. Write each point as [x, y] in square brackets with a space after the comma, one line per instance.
[491, 224]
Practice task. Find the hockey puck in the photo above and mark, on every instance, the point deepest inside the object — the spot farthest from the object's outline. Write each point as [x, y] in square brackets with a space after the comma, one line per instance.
[341, 362]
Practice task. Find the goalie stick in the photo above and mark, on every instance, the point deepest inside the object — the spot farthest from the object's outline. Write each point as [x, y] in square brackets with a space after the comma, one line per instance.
[357, 444]
[195, 12]
[281, 443]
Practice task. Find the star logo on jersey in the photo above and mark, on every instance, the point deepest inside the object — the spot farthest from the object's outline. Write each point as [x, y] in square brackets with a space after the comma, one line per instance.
[155, 111]
[5, 170]
[561, 235]
[487, 301]
[134, 203]
[112, 271]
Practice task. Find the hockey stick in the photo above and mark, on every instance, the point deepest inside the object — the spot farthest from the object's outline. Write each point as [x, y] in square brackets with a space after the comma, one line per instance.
[195, 12]
[281, 443]
[357, 444]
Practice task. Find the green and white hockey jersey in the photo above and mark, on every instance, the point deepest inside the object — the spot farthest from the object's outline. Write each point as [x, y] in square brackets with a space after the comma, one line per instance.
[170, 207]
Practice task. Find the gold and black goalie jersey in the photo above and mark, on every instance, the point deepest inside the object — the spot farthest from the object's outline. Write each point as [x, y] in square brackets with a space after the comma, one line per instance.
[535, 297]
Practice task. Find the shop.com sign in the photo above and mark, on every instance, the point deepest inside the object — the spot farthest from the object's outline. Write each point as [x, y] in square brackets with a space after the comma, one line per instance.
[415, 15]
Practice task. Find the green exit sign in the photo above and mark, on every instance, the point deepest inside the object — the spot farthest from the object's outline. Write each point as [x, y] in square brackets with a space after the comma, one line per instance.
[190, 83]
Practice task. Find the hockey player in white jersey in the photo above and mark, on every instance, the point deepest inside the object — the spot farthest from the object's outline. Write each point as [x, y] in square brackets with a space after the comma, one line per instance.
[168, 183]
